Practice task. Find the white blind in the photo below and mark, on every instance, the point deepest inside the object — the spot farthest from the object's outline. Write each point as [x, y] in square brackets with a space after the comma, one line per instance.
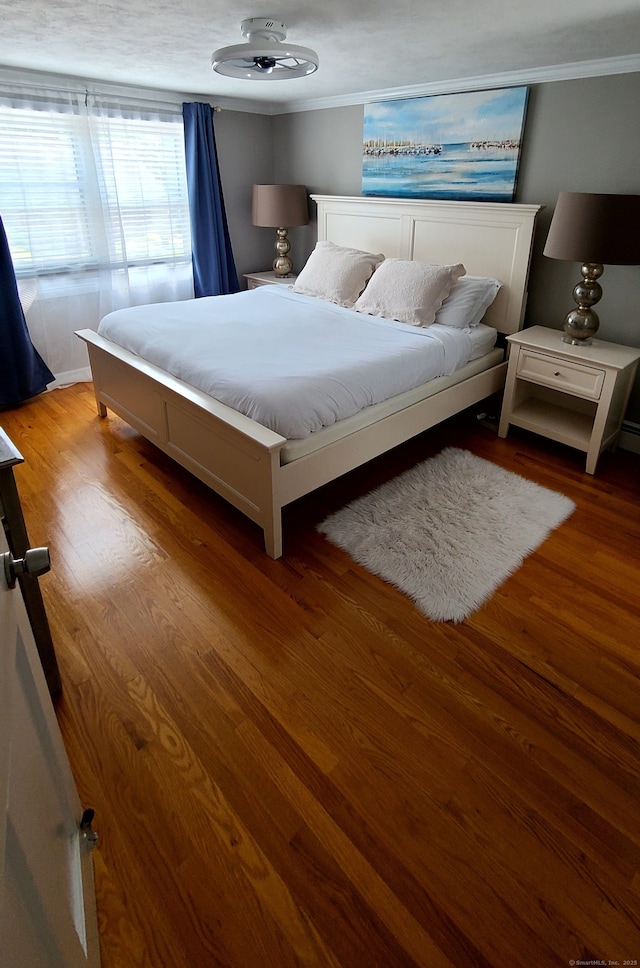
[143, 181]
[81, 189]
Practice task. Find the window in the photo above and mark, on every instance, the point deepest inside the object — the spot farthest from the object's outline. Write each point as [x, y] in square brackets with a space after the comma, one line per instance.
[93, 198]
[79, 191]
[144, 184]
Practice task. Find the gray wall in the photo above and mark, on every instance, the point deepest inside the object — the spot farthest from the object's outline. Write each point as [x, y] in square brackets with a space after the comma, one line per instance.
[581, 135]
[244, 143]
[248, 146]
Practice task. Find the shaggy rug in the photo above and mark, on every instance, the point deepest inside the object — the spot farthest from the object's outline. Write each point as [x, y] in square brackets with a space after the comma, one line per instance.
[449, 531]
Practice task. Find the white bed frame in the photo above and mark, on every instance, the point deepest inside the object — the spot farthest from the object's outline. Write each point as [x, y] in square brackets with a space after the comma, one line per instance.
[240, 459]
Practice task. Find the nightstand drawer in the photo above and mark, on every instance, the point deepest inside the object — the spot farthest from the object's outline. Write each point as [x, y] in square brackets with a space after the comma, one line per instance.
[574, 378]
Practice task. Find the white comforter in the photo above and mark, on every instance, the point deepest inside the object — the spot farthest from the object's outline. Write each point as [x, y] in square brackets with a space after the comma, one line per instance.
[292, 363]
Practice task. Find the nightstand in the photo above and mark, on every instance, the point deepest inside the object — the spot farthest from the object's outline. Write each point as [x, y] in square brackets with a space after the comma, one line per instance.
[576, 395]
[255, 279]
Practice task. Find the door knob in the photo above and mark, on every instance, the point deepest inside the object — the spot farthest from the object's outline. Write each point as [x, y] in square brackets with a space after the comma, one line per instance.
[89, 835]
[36, 561]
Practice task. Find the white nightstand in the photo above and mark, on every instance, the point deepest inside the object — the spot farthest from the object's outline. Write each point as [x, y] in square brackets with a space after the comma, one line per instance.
[574, 394]
[255, 279]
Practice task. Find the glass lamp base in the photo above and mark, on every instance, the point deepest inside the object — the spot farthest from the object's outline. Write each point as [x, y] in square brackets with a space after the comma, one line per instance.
[282, 264]
[581, 324]
[576, 342]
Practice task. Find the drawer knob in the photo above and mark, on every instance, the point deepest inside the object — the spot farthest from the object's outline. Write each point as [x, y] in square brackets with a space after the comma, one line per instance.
[557, 373]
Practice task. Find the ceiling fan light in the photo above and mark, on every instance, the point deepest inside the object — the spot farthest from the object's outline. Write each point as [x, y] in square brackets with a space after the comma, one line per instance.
[264, 57]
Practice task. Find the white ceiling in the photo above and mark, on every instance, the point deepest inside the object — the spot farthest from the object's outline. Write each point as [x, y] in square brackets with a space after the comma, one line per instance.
[366, 47]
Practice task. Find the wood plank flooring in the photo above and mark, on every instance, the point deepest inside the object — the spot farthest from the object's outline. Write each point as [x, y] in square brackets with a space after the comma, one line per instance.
[291, 766]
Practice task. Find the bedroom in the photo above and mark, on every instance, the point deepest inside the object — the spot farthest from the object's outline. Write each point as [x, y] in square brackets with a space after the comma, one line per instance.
[326, 855]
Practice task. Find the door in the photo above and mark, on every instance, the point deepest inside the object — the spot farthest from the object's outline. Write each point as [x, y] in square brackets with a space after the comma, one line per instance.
[47, 898]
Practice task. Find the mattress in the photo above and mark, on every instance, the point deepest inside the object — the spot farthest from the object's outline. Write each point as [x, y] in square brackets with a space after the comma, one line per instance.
[485, 355]
[293, 363]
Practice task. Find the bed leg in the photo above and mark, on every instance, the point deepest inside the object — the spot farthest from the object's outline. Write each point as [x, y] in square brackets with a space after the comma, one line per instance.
[102, 410]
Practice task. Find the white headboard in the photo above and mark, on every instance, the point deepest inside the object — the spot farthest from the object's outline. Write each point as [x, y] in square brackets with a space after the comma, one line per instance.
[489, 238]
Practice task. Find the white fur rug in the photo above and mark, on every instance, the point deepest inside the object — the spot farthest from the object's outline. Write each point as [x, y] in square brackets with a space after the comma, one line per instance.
[449, 531]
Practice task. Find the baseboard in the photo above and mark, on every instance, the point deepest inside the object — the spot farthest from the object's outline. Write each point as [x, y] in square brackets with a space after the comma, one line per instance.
[82, 375]
[630, 437]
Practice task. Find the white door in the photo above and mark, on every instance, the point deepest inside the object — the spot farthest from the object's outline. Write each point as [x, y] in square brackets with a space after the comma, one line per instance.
[47, 898]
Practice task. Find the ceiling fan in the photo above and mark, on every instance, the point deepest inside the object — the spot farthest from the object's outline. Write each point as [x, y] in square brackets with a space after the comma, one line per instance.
[265, 57]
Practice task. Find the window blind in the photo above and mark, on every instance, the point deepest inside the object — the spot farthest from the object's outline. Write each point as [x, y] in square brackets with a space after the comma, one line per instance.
[143, 181]
[83, 189]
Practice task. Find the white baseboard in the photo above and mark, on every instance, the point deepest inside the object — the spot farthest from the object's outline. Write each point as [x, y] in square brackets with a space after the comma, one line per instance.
[82, 375]
[630, 437]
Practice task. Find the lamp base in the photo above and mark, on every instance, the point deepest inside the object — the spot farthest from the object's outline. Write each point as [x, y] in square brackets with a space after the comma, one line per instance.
[581, 324]
[587, 341]
[282, 264]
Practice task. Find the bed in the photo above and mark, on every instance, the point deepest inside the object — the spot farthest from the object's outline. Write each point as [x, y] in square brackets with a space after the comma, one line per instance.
[260, 470]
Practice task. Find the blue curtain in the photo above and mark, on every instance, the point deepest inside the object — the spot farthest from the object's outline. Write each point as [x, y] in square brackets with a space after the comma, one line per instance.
[23, 372]
[214, 270]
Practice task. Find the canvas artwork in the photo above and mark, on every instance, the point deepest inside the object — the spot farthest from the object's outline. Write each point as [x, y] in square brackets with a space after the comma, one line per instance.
[448, 146]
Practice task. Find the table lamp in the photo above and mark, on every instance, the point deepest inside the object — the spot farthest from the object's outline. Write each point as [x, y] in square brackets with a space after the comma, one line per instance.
[595, 230]
[280, 207]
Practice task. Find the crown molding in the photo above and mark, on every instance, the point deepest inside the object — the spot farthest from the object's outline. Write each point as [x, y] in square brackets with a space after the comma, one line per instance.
[536, 75]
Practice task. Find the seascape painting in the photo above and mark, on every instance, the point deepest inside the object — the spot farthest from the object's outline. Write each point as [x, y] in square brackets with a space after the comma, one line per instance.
[448, 146]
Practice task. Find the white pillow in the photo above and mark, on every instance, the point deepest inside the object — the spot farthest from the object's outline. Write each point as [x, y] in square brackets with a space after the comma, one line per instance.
[410, 292]
[468, 301]
[336, 273]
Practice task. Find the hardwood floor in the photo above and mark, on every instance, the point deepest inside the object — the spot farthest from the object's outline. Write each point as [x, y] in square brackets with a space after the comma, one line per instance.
[290, 765]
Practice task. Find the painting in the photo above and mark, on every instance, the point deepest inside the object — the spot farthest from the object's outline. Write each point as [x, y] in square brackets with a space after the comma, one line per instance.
[448, 146]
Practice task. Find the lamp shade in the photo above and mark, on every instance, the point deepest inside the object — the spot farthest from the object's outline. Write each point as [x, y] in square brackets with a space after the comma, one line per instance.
[280, 206]
[595, 228]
